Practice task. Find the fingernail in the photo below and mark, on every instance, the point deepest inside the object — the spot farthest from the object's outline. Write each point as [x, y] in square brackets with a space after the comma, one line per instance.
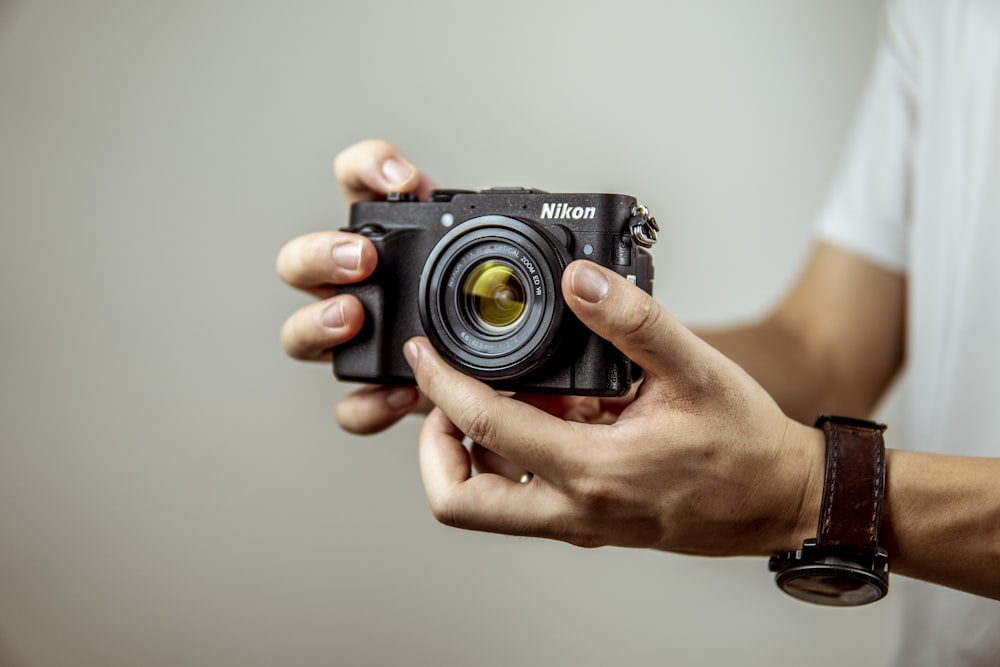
[590, 284]
[412, 354]
[397, 171]
[333, 316]
[348, 255]
[400, 398]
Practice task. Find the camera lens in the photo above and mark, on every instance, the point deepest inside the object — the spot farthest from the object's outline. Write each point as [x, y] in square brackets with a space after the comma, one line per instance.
[489, 296]
[495, 296]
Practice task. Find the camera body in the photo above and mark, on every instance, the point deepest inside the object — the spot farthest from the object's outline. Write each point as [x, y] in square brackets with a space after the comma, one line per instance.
[479, 274]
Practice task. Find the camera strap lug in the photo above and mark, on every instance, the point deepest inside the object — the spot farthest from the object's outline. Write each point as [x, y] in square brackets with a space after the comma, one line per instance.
[642, 226]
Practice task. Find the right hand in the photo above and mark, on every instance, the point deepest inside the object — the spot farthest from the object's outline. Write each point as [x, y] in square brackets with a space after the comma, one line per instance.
[316, 263]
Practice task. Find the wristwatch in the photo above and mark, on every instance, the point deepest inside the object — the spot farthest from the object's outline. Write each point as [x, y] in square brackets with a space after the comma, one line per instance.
[843, 565]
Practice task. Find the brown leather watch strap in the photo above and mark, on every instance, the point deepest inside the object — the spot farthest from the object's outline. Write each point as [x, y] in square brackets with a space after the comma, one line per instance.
[854, 489]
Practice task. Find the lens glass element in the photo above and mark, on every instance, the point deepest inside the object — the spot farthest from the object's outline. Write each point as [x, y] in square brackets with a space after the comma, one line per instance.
[495, 296]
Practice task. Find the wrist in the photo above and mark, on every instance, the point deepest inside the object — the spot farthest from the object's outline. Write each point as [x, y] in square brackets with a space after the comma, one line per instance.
[845, 564]
[808, 444]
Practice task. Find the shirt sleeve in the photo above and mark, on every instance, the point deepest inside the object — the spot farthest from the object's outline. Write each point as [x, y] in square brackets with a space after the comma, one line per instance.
[868, 205]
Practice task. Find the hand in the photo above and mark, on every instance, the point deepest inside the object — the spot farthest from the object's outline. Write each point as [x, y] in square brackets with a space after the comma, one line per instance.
[583, 409]
[702, 461]
[317, 263]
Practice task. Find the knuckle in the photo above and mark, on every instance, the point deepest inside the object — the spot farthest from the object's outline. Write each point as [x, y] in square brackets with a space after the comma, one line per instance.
[479, 422]
[595, 495]
[349, 160]
[340, 163]
[642, 320]
[364, 412]
[353, 417]
[296, 260]
[286, 261]
[291, 338]
[444, 511]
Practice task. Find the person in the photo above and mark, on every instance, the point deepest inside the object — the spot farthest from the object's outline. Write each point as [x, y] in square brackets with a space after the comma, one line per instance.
[713, 454]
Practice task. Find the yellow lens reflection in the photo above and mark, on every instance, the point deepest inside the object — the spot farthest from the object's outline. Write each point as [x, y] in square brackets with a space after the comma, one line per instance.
[495, 295]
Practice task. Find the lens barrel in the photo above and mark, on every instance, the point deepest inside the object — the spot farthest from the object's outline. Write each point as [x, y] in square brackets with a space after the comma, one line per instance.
[489, 297]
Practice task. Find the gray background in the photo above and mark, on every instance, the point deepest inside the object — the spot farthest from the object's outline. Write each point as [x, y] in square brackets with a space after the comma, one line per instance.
[174, 491]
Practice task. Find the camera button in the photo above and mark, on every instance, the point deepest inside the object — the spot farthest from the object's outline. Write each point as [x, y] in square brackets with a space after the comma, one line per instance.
[512, 191]
[448, 195]
[370, 230]
[622, 251]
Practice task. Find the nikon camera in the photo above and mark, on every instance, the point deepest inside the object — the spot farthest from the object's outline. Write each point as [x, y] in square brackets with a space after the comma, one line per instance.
[479, 274]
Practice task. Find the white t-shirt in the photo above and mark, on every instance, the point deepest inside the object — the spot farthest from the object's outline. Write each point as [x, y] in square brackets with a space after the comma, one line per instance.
[919, 192]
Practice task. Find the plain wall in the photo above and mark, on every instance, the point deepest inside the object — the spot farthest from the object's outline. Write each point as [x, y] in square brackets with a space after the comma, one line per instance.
[174, 491]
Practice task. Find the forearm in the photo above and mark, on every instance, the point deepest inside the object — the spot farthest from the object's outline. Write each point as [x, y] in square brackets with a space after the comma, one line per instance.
[835, 342]
[942, 520]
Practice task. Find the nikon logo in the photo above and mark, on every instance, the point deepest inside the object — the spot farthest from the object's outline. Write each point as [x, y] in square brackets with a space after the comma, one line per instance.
[563, 211]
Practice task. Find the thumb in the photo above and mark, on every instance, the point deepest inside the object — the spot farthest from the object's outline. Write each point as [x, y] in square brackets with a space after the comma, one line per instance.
[631, 320]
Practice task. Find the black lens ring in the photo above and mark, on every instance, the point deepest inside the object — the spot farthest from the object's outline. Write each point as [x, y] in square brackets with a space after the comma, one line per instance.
[537, 256]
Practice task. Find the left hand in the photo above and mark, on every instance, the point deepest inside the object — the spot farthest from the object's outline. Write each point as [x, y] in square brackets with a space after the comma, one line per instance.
[319, 263]
[701, 461]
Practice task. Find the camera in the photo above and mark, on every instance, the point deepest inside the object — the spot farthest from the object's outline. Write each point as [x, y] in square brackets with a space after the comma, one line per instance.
[479, 274]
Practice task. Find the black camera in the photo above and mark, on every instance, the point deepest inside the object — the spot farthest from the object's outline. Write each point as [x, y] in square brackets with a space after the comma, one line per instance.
[479, 274]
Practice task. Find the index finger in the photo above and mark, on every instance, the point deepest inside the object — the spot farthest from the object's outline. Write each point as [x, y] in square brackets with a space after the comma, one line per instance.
[373, 168]
[517, 431]
[315, 262]
[488, 502]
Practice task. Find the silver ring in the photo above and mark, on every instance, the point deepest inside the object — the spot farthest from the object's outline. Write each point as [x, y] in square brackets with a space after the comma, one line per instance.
[527, 477]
